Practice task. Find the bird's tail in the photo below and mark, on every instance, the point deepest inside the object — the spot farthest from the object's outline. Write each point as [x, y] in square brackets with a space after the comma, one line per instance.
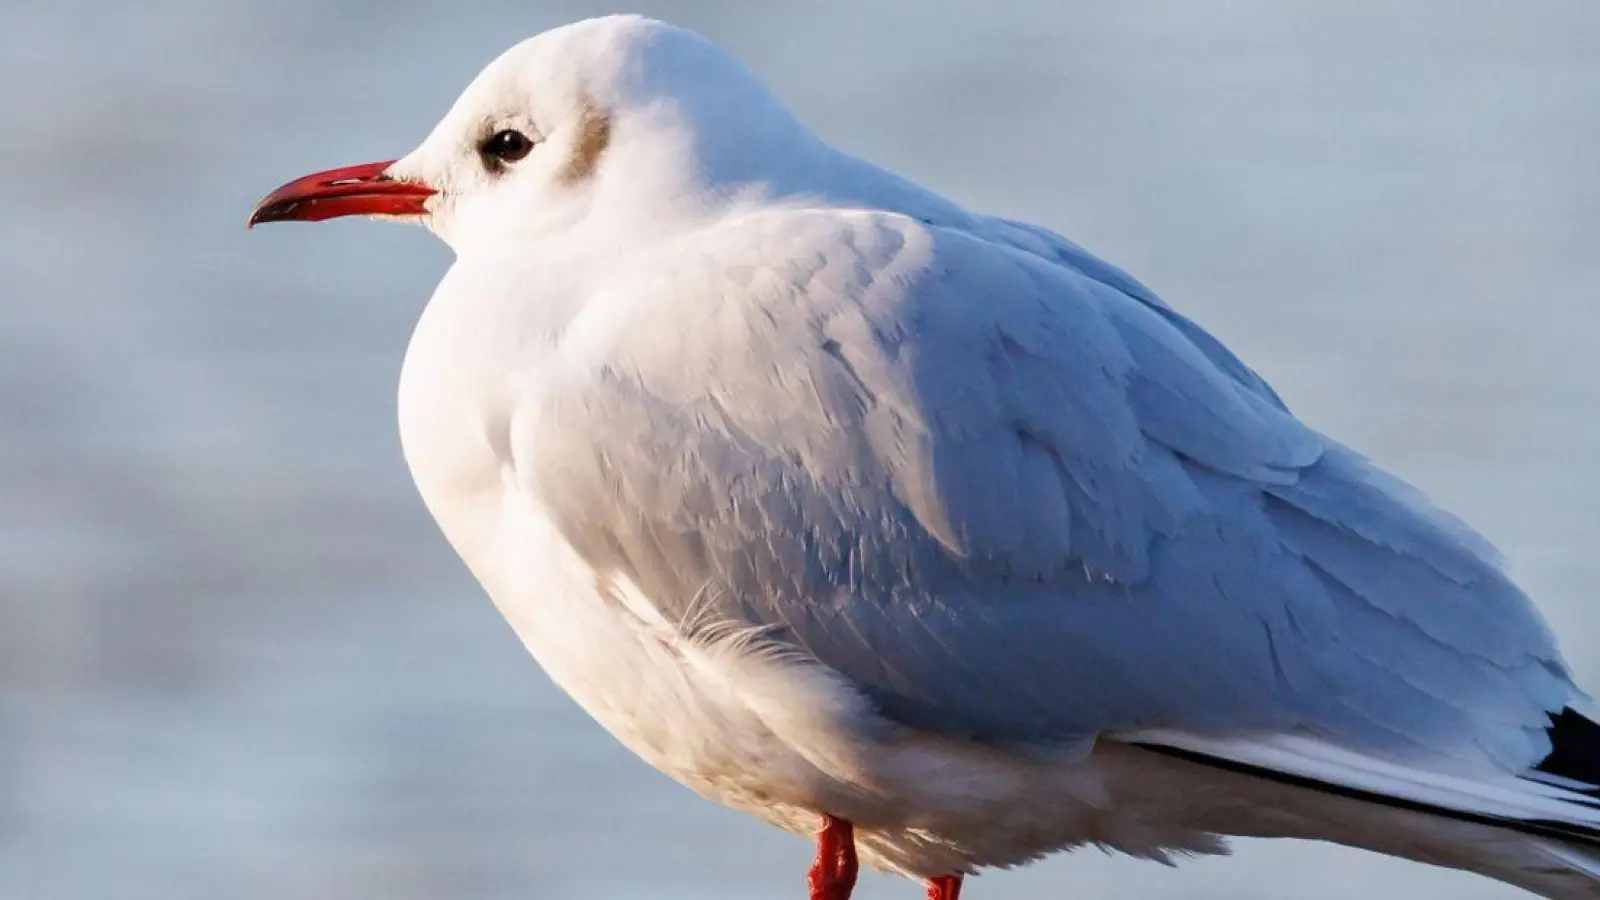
[1539, 831]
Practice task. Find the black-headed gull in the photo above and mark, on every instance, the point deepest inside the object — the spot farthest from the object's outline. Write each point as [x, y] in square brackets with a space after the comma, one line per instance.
[841, 504]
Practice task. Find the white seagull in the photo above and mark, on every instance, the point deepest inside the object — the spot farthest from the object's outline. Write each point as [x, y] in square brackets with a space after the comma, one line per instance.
[926, 532]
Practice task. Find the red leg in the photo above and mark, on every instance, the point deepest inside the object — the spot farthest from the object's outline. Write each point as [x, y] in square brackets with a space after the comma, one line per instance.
[945, 887]
[833, 874]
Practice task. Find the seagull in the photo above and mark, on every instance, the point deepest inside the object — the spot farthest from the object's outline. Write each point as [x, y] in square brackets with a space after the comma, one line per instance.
[926, 533]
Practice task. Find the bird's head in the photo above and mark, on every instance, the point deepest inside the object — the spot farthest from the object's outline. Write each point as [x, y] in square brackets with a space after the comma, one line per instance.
[621, 124]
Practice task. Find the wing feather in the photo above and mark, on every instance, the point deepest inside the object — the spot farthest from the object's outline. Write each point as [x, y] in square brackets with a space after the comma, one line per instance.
[1010, 495]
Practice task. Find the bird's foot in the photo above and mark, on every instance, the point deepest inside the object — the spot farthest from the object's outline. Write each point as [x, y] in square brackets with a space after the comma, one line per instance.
[945, 887]
[833, 874]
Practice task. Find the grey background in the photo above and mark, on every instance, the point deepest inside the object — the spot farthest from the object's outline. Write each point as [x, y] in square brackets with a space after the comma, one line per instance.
[236, 659]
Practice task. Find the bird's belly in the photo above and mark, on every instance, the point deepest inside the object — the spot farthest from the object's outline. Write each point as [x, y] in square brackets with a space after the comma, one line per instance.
[783, 740]
[678, 714]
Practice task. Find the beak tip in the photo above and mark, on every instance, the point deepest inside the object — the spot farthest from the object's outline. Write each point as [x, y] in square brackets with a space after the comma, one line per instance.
[257, 215]
[270, 208]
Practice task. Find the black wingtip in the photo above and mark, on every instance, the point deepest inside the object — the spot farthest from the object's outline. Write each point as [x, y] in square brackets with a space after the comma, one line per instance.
[1574, 748]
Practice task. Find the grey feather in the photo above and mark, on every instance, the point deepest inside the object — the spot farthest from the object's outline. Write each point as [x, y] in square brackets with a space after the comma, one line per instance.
[1010, 495]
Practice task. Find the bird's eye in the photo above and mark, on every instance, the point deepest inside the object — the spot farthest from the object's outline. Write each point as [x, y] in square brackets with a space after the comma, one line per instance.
[506, 146]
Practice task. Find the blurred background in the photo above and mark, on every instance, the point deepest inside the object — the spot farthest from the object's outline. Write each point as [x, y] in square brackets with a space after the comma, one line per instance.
[238, 661]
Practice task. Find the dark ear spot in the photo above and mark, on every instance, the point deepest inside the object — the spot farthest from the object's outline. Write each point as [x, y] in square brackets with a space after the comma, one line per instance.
[594, 133]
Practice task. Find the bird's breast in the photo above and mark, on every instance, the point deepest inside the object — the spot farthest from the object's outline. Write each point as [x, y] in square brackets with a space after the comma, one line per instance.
[474, 367]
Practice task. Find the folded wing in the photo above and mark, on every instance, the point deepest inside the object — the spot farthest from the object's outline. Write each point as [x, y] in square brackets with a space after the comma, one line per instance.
[1011, 498]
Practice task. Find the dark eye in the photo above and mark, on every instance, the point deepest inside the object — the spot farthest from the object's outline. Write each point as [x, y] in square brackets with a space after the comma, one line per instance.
[506, 146]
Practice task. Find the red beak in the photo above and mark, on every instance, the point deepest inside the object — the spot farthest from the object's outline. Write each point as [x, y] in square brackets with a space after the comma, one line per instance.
[363, 190]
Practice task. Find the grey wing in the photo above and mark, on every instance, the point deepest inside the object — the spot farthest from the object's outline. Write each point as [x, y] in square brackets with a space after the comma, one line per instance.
[1009, 500]
[1051, 246]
